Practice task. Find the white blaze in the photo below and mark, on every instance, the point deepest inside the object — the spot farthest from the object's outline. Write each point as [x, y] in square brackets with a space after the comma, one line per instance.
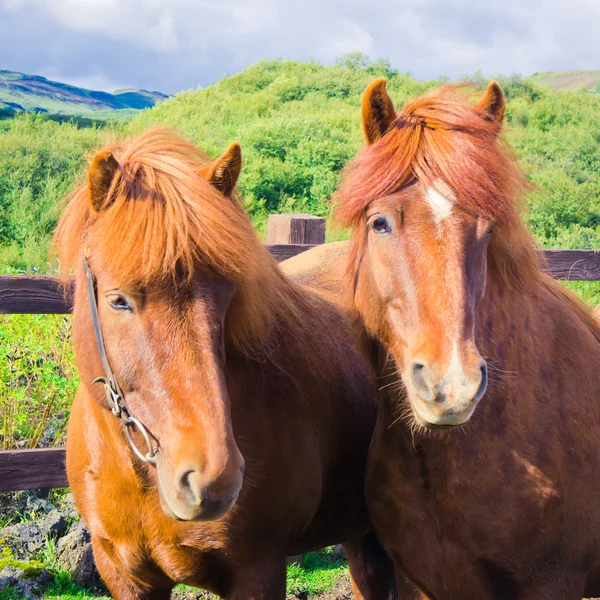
[455, 369]
[439, 198]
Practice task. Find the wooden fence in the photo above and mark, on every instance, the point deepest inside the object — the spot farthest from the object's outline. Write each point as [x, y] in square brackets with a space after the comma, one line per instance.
[287, 236]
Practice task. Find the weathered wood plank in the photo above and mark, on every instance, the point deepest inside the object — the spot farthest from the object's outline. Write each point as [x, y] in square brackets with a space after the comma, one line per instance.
[574, 265]
[281, 252]
[22, 294]
[45, 468]
[38, 295]
[32, 469]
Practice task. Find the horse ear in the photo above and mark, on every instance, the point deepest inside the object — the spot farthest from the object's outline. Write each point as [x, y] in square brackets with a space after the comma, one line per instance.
[223, 173]
[102, 170]
[378, 111]
[493, 104]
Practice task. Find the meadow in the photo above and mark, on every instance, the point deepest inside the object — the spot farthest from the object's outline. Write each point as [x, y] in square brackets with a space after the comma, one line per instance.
[298, 124]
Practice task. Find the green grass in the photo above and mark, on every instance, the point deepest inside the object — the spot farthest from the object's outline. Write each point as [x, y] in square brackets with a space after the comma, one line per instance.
[38, 379]
[319, 572]
[62, 588]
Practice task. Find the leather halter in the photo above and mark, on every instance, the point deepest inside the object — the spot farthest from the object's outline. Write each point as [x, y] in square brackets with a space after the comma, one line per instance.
[114, 395]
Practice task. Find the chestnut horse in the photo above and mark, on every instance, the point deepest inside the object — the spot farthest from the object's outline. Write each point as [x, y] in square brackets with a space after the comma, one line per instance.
[244, 391]
[483, 477]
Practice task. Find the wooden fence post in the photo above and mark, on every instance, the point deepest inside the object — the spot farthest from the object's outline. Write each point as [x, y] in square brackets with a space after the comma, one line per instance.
[295, 229]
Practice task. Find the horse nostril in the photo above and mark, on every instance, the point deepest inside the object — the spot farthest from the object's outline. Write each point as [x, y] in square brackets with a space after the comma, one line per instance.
[190, 488]
[484, 381]
[419, 381]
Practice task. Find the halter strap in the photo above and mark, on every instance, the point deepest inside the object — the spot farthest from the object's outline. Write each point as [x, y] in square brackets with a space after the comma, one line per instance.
[114, 396]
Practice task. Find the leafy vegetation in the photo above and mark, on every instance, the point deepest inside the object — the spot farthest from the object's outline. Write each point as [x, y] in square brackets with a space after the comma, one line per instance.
[40, 160]
[38, 377]
[318, 572]
[299, 124]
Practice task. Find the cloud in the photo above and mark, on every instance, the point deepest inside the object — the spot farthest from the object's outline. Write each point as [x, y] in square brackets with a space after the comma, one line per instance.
[171, 45]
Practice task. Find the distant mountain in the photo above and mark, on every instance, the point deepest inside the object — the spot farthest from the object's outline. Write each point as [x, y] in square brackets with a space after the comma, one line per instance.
[20, 92]
[568, 80]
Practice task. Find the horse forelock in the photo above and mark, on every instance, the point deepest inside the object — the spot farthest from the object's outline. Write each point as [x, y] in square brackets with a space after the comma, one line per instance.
[163, 222]
[439, 136]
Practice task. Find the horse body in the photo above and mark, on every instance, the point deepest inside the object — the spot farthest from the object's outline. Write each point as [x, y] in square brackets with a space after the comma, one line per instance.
[496, 509]
[235, 371]
[303, 456]
[502, 507]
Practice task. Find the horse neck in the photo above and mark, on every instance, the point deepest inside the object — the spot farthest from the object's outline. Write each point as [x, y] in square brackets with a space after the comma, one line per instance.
[300, 340]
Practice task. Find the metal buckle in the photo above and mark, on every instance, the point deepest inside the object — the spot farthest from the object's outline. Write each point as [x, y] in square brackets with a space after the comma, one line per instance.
[149, 456]
[114, 397]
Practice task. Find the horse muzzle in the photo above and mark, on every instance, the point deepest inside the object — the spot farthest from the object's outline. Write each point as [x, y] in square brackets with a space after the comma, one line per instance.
[190, 496]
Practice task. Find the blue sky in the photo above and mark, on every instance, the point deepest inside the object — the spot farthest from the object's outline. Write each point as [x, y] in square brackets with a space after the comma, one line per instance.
[171, 45]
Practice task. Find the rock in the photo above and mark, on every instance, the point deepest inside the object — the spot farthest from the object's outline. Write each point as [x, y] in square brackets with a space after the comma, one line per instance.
[74, 554]
[338, 552]
[37, 506]
[23, 539]
[13, 504]
[29, 579]
[68, 509]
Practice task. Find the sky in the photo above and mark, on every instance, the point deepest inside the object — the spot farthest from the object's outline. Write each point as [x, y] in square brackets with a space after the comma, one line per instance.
[172, 45]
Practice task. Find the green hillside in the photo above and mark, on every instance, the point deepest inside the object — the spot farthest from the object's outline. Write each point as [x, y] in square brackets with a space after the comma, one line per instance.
[568, 80]
[299, 124]
[32, 93]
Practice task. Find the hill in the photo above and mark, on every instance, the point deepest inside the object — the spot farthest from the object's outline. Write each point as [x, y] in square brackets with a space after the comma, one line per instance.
[32, 93]
[568, 80]
[299, 125]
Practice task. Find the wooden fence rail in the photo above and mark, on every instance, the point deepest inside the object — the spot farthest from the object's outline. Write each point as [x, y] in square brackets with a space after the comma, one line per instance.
[287, 236]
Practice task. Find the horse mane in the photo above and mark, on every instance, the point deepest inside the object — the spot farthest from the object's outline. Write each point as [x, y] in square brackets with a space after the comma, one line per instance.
[163, 221]
[440, 135]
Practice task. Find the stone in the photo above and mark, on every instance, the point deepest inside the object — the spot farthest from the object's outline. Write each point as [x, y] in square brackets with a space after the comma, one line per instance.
[338, 552]
[13, 504]
[37, 506]
[68, 509]
[74, 554]
[24, 539]
[29, 579]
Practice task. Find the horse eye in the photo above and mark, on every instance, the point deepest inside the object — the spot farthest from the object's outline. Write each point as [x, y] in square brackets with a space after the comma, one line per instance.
[118, 302]
[380, 225]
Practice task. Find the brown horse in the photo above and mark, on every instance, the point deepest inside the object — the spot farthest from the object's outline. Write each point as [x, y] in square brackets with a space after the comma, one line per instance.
[444, 277]
[256, 410]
